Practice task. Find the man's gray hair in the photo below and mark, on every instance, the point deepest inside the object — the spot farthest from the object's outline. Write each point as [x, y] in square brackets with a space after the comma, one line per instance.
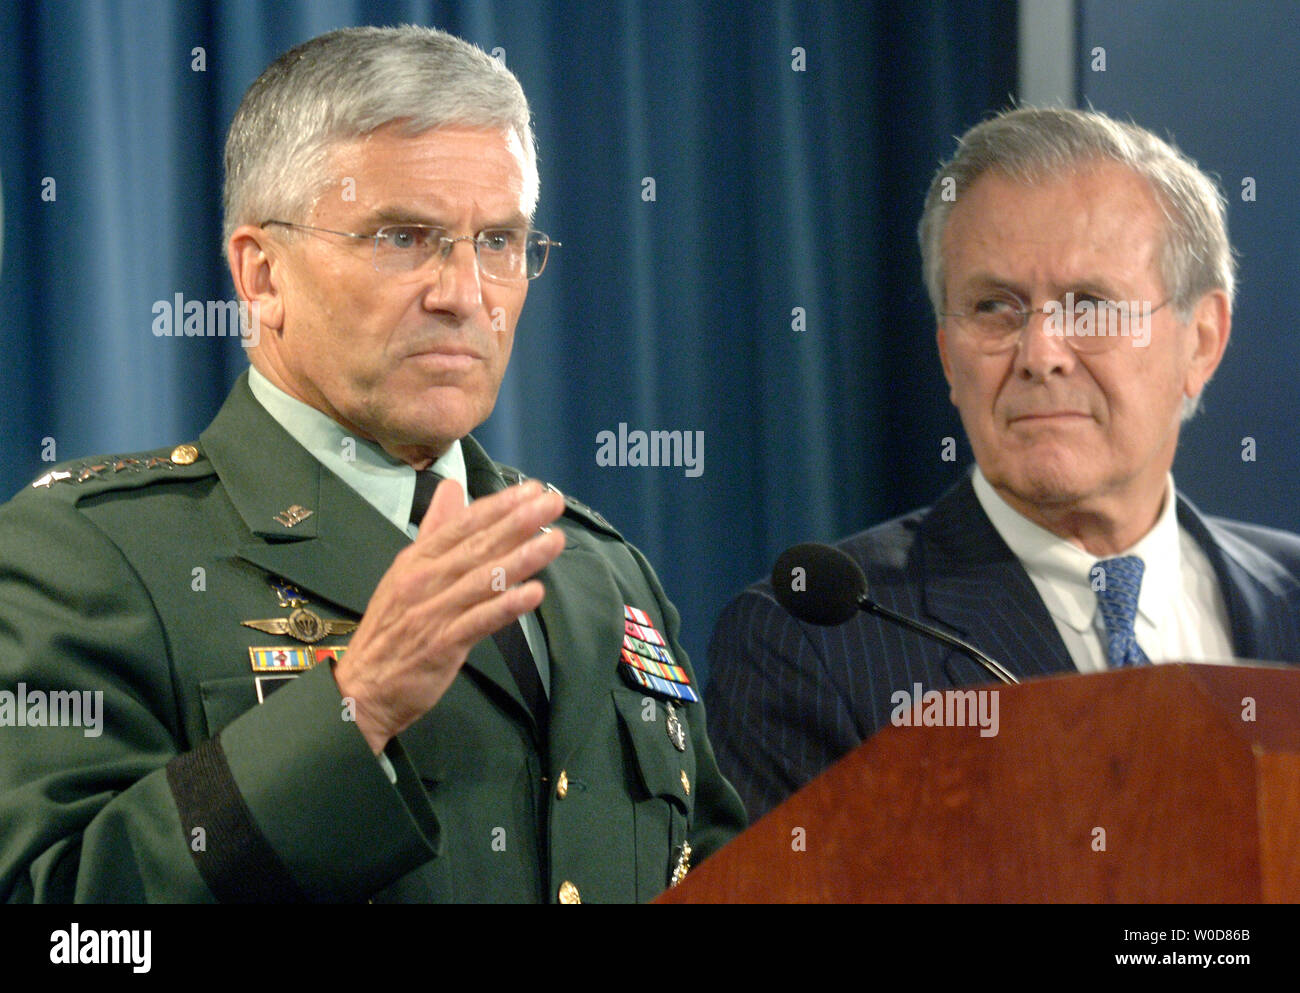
[1030, 144]
[343, 85]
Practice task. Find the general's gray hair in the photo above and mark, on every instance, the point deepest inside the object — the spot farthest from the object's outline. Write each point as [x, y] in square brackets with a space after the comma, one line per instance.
[345, 84]
[1029, 144]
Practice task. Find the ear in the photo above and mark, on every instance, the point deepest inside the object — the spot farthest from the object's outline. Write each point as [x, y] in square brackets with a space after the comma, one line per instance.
[254, 268]
[941, 338]
[1211, 325]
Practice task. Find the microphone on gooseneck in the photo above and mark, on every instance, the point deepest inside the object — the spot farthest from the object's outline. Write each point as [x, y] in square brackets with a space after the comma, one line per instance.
[822, 585]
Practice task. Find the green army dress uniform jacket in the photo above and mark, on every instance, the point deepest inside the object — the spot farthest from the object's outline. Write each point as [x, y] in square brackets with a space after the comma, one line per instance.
[133, 577]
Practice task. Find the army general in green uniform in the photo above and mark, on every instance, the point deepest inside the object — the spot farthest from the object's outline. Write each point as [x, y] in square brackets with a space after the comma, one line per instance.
[339, 653]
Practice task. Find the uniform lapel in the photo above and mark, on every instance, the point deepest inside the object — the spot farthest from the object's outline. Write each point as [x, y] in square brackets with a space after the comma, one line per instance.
[341, 550]
[343, 563]
[583, 619]
[485, 659]
[975, 585]
[583, 615]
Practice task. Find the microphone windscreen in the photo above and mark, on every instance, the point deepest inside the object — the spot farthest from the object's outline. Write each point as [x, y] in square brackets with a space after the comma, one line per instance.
[818, 584]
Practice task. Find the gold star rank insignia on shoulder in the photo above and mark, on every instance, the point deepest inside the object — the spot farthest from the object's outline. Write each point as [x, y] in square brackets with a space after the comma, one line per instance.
[303, 625]
[645, 661]
[91, 472]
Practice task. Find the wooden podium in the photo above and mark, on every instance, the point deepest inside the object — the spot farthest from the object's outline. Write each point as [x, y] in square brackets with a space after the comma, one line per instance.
[1164, 783]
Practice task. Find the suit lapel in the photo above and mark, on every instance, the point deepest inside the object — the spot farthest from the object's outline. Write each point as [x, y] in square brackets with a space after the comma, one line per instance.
[975, 585]
[1249, 581]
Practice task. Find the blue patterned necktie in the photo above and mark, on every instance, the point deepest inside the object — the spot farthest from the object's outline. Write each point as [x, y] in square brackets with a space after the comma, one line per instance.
[1121, 579]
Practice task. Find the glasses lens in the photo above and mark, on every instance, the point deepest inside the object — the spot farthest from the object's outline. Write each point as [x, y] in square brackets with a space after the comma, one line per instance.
[502, 253]
[1093, 325]
[539, 247]
[993, 325]
[512, 254]
[404, 247]
[507, 254]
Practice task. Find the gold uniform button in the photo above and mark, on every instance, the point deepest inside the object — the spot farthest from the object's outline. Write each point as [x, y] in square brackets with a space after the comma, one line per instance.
[185, 455]
[569, 893]
[686, 782]
[562, 789]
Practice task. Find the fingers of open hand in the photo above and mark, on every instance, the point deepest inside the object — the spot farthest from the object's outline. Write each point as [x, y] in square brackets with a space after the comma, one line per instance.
[428, 612]
[490, 595]
[488, 527]
[473, 554]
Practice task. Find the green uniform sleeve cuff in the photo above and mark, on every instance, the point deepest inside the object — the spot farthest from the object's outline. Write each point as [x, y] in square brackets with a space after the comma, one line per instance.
[321, 800]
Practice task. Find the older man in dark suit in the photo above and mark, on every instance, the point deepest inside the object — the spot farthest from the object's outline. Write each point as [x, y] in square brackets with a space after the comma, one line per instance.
[1082, 282]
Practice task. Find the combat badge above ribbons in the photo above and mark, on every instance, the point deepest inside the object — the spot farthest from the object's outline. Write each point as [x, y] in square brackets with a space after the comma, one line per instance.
[304, 625]
[646, 662]
[288, 594]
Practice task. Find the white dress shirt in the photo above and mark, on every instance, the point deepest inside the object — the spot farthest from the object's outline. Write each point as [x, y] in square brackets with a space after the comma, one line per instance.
[1181, 613]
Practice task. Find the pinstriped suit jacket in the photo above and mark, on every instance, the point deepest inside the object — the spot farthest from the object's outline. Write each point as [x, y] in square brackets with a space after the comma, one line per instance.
[787, 699]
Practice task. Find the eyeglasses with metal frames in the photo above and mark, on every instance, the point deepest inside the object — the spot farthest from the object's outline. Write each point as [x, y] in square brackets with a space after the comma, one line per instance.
[506, 255]
[1085, 323]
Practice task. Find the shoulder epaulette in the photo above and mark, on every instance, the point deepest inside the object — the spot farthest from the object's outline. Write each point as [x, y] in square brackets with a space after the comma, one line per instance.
[592, 518]
[110, 472]
[572, 507]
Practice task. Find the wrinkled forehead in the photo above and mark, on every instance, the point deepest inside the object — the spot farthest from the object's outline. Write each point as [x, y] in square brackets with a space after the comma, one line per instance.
[447, 165]
[1082, 220]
